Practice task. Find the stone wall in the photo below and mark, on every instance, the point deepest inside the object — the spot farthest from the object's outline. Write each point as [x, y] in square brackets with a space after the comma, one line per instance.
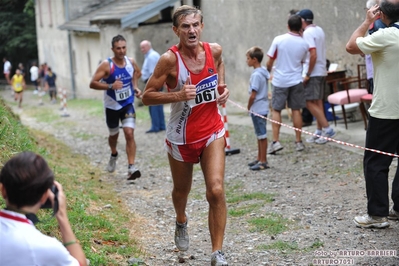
[240, 24]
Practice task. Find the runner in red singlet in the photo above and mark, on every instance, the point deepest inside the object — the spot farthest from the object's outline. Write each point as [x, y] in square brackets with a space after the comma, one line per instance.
[194, 73]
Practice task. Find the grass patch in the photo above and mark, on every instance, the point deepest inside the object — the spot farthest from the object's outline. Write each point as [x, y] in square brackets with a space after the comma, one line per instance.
[101, 222]
[82, 135]
[289, 247]
[232, 188]
[14, 137]
[316, 244]
[271, 224]
[93, 107]
[234, 198]
[281, 246]
[243, 210]
[43, 114]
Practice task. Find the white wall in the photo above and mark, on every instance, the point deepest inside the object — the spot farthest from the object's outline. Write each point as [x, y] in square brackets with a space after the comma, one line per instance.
[240, 24]
[86, 51]
[52, 42]
[235, 24]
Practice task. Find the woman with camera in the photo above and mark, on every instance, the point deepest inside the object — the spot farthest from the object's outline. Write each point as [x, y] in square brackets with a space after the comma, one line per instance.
[26, 183]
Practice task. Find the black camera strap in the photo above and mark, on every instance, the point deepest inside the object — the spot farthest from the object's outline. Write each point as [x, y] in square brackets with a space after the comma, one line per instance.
[30, 216]
[33, 217]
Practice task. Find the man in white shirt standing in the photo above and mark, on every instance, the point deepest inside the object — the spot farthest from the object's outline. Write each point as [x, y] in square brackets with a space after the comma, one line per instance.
[289, 50]
[7, 71]
[150, 61]
[315, 72]
[34, 76]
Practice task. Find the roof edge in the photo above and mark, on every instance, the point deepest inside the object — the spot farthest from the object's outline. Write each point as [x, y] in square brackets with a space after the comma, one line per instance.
[133, 19]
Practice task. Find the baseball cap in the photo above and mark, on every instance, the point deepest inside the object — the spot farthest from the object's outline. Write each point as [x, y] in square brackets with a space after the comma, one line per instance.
[306, 14]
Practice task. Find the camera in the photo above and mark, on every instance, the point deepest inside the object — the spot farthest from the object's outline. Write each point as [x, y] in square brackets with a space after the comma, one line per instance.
[47, 204]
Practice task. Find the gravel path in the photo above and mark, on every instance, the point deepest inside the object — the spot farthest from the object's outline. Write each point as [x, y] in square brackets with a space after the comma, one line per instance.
[315, 194]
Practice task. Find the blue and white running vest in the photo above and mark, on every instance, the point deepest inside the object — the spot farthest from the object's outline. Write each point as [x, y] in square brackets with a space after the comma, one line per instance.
[117, 99]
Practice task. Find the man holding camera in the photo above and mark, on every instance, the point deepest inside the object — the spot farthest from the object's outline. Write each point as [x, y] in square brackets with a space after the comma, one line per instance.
[382, 131]
[26, 183]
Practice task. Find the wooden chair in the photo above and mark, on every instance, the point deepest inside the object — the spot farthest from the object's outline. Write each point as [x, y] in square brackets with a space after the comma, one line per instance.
[365, 103]
[353, 88]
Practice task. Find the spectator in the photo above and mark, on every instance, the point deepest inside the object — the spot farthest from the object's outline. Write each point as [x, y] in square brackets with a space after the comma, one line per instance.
[382, 131]
[150, 61]
[22, 68]
[376, 25]
[25, 182]
[314, 79]
[50, 85]
[258, 103]
[289, 51]
[7, 69]
[34, 76]
[7, 72]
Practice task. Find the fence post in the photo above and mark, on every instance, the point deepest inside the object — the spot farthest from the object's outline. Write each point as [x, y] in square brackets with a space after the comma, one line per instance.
[63, 102]
[228, 149]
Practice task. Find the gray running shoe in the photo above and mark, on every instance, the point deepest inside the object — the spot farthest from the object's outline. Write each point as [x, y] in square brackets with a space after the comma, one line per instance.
[329, 134]
[182, 240]
[259, 166]
[299, 146]
[112, 163]
[274, 147]
[133, 173]
[312, 138]
[218, 259]
[253, 163]
[393, 215]
[367, 221]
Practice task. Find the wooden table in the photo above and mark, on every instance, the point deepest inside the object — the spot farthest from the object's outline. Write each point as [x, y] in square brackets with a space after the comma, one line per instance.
[331, 76]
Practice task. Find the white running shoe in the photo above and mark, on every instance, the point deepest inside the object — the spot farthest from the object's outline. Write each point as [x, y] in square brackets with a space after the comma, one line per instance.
[329, 134]
[274, 147]
[112, 163]
[182, 240]
[218, 259]
[133, 173]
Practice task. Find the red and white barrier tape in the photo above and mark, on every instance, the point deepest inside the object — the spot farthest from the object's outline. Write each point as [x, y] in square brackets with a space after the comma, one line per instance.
[63, 102]
[226, 127]
[312, 134]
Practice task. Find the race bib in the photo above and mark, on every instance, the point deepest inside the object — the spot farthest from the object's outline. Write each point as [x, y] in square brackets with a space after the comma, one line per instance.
[206, 91]
[123, 93]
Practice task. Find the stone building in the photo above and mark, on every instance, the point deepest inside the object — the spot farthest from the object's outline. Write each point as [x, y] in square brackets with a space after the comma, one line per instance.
[75, 35]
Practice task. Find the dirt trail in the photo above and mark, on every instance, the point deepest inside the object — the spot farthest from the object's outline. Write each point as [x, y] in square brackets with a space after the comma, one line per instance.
[316, 193]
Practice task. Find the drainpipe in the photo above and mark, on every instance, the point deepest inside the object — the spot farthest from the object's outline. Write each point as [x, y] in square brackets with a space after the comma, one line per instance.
[66, 8]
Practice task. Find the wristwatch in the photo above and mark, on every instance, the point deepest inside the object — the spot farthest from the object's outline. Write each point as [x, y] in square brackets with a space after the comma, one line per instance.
[110, 86]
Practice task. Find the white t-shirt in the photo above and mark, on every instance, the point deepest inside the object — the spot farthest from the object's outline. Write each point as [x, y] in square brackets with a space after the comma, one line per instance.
[7, 67]
[383, 46]
[289, 50]
[23, 245]
[34, 73]
[314, 36]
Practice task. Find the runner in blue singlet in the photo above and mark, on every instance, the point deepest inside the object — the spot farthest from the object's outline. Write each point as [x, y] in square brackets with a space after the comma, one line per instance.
[117, 77]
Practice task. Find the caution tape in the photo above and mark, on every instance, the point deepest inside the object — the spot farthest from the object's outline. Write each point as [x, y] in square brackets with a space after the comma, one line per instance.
[312, 134]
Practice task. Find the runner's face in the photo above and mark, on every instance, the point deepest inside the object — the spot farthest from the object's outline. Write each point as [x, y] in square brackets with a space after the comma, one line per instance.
[119, 49]
[189, 30]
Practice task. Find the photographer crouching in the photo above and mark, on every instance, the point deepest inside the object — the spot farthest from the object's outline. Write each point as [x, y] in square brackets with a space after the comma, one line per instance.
[26, 183]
